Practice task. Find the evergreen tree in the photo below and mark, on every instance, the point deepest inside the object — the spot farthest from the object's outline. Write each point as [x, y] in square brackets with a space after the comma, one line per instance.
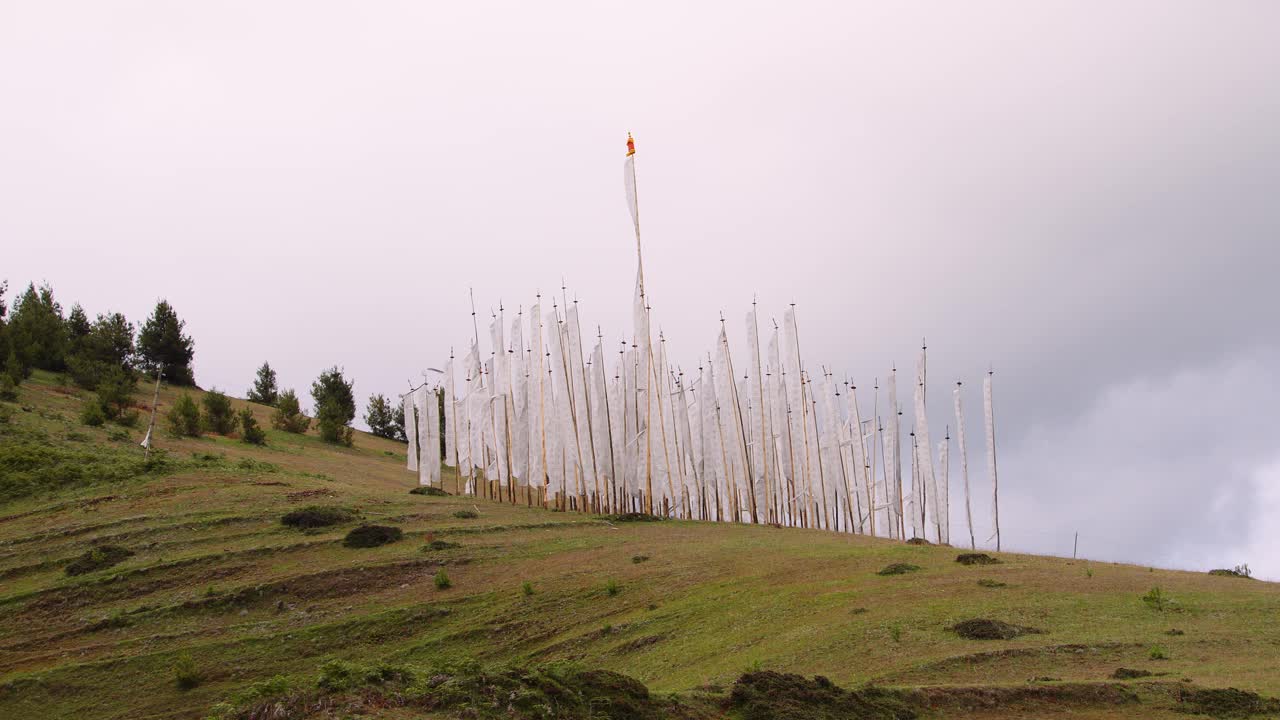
[288, 415]
[381, 419]
[184, 417]
[335, 405]
[218, 418]
[5, 347]
[264, 387]
[250, 432]
[38, 331]
[398, 420]
[11, 378]
[108, 345]
[163, 346]
[78, 329]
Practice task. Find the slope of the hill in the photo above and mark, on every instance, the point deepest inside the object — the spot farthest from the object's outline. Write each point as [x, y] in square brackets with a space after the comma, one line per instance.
[218, 594]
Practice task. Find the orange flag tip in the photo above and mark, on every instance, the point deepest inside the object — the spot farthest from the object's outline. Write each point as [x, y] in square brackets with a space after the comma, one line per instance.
[631, 145]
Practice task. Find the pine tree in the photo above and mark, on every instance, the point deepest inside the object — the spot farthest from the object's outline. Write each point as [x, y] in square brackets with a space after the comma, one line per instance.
[335, 405]
[163, 346]
[288, 415]
[37, 330]
[380, 418]
[264, 387]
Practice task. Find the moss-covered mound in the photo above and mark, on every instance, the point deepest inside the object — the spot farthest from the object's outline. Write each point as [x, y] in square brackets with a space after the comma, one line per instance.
[367, 536]
[633, 517]
[768, 695]
[986, 629]
[317, 516]
[97, 558]
[976, 559]
[898, 569]
[1227, 703]
[428, 490]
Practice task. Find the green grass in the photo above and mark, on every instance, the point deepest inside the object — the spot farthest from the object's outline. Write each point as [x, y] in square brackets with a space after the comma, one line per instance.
[145, 637]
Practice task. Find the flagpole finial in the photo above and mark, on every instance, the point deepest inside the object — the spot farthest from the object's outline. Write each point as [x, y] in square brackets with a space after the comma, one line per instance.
[631, 145]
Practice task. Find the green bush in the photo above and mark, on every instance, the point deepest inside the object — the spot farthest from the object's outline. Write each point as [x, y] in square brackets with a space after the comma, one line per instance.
[91, 412]
[163, 346]
[898, 569]
[115, 392]
[288, 415]
[526, 588]
[250, 431]
[442, 580]
[184, 417]
[218, 418]
[185, 673]
[466, 514]
[340, 676]
[612, 587]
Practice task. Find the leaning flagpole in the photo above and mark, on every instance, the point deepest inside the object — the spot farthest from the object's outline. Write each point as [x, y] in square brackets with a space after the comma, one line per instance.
[633, 204]
[991, 452]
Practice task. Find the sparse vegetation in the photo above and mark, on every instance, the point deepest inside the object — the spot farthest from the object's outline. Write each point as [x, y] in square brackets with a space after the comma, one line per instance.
[633, 517]
[637, 559]
[1157, 600]
[988, 583]
[898, 569]
[611, 587]
[466, 514]
[98, 558]
[442, 580]
[1157, 653]
[527, 588]
[1129, 674]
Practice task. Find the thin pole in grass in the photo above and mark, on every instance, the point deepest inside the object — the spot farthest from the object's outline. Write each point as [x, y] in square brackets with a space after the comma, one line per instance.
[151, 424]
[1075, 545]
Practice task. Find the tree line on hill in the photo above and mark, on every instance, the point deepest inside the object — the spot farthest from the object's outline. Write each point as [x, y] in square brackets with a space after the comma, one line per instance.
[108, 357]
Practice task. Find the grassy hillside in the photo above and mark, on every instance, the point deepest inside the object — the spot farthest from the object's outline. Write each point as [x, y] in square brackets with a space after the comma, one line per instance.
[218, 595]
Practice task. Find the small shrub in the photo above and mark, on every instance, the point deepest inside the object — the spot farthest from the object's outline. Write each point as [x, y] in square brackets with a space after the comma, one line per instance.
[97, 558]
[288, 415]
[367, 536]
[527, 588]
[987, 583]
[898, 569]
[185, 673]
[895, 632]
[612, 587]
[466, 514]
[8, 388]
[976, 559]
[1129, 674]
[274, 686]
[428, 490]
[317, 516]
[637, 559]
[1157, 600]
[340, 676]
[250, 431]
[184, 417]
[1158, 653]
[440, 545]
[218, 418]
[918, 541]
[1239, 571]
[1088, 571]
[91, 412]
[442, 580]
[115, 392]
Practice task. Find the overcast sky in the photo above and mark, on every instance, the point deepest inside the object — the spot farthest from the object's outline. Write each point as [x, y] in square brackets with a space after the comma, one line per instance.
[1082, 195]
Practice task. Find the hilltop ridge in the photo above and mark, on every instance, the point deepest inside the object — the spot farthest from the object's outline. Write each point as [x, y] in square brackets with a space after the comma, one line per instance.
[212, 603]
